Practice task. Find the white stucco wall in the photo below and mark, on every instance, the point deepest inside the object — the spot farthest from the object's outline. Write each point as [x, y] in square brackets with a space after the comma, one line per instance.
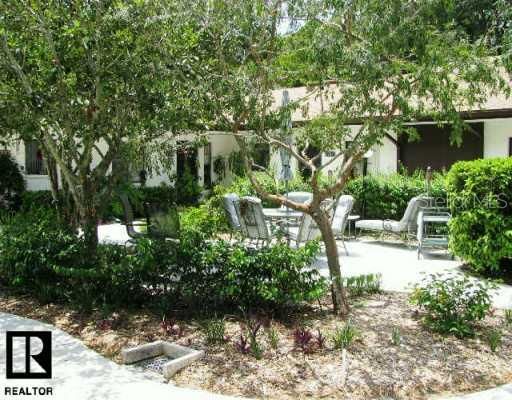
[222, 145]
[497, 133]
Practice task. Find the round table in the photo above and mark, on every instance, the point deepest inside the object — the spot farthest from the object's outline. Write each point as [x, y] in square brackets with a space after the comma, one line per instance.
[275, 213]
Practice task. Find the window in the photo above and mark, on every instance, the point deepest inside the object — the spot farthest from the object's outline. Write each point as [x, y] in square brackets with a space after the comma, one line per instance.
[510, 147]
[34, 160]
[207, 168]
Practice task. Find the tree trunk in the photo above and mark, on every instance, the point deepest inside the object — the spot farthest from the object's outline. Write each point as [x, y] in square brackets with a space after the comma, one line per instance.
[339, 297]
[88, 212]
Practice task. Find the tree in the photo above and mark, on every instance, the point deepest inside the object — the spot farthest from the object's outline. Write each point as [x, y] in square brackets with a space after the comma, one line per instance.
[378, 64]
[93, 82]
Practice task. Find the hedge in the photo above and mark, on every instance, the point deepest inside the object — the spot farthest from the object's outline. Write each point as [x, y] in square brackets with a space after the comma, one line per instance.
[387, 196]
[47, 259]
[480, 197]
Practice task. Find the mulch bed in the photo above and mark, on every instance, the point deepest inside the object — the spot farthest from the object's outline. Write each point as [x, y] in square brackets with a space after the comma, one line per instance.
[373, 367]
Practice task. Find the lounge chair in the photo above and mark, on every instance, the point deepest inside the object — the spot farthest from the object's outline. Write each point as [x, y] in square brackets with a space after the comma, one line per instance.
[339, 222]
[408, 223]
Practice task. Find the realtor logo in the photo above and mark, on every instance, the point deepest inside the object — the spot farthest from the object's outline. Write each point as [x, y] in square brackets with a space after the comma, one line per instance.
[32, 355]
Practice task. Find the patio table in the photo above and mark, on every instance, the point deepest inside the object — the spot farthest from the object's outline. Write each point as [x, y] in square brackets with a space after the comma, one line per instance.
[278, 213]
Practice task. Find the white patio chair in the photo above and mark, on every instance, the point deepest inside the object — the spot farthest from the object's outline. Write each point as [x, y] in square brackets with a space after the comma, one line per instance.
[408, 223]
[228, 201]
[308, 229]
[252, 220]
[339, 222]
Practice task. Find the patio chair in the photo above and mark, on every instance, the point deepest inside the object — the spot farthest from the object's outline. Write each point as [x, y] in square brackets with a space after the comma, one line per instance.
[228, 201]
[298, 197]
[160, 222]
[339, 222]
[252, 220]
[163, 221]
[308, 229]
[408, 223]
[129, 221]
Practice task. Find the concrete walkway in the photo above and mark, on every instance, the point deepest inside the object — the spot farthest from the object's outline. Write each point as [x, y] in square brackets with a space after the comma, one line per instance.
[399, 266]
[81, 373]
[500, 393]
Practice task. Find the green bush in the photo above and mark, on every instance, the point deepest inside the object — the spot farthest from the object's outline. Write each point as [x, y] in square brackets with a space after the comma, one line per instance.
[187, 189]
[480, 196]
[387, 196]
[219, 274]
[453, 304]
[36, 199]
[31, 245]
[12, 184]
[204, 219]
[43, 257]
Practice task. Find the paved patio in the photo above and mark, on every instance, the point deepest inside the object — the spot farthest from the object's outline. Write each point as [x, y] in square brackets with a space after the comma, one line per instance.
[399, 266]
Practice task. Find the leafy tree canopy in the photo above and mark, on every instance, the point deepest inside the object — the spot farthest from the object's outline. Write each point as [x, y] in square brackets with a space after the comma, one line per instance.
[93, 80]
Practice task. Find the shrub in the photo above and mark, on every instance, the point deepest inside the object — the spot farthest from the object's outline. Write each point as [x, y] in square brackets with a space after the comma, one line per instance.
[187, 189]
[345, 336]
[361, 285]
[383, 196]
[214, 331]
[303, 340]
[41, 256]
[480, 194]
[233, 275]
[494, 339]
[32, 245]
[387, 196]
[12, 184]
[36, 199]
[204, 220]
[453, 304]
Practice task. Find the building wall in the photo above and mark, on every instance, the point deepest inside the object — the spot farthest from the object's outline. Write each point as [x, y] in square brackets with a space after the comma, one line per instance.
[497, 134]
[222, 145]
